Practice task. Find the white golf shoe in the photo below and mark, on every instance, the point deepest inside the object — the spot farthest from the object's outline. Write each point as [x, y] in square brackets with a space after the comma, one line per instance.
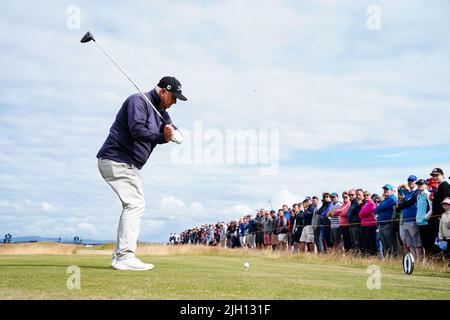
[114, 260]
[133, 264]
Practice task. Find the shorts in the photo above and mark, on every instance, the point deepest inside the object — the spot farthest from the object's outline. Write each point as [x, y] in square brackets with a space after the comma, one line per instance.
[307, 235]
[267, 239]
[274, 239]
[411, 234]
[335, 235]
[282, 237]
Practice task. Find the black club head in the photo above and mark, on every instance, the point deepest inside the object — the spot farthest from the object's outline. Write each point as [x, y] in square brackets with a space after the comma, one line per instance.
[87, 37]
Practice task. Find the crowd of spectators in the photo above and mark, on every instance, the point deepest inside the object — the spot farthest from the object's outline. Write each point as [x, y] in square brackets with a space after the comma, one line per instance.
[414, 217]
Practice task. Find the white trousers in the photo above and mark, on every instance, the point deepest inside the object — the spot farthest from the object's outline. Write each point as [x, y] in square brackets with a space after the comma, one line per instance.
[126, 182]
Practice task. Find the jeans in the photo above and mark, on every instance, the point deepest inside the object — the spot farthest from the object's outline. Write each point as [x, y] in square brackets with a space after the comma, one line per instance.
[318, 238]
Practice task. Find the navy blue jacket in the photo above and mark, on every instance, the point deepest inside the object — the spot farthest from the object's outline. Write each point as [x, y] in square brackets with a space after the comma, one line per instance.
[353, 212]
[252, 226]
[136, 131]
[308, 214]
[409, 205]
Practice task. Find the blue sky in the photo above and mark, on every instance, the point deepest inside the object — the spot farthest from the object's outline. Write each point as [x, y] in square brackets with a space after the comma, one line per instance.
[354, 107]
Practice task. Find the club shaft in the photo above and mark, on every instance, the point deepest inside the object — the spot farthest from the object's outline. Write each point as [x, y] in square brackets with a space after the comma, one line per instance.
[135, 85]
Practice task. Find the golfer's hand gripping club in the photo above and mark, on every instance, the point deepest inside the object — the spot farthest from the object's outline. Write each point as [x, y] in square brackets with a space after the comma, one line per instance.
[170, 134]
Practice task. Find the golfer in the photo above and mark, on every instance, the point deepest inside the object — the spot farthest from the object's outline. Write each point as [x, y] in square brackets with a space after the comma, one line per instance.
[134, 134]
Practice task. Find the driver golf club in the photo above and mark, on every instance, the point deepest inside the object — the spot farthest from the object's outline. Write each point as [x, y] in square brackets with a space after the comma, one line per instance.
[177, 137]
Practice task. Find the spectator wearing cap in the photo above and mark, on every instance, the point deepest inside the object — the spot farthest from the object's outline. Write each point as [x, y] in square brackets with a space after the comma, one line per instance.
[334, 219]
[442, 192]
[384, 213]
[307, 236]
[341, 213]
[397, 218]
[413, 243]
[424, 212]
[376, 198]
[315, 223]
[444, 228]
[318, 225]
[368, 225]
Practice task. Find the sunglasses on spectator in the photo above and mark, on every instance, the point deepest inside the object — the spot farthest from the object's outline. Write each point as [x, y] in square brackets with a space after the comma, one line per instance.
[367, 195]
[352, 194]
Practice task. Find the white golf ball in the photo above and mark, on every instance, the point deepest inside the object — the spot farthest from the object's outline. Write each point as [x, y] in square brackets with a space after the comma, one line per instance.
[246, 265]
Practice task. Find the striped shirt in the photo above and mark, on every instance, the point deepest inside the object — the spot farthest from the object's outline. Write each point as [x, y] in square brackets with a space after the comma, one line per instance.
[335, 219]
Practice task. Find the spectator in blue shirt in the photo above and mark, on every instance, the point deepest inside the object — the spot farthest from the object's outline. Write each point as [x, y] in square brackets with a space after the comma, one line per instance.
[384, 212]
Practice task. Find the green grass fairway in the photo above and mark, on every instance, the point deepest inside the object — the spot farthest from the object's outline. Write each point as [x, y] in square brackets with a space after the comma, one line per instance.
[210, 277]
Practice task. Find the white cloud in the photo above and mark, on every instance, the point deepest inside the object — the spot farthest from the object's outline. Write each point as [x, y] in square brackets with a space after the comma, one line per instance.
[196, 207]
[87, 229]
[284, 197]
[47, 207]
[171, 203]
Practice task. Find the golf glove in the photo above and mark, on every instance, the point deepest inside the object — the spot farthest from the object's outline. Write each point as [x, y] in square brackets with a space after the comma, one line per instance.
[177, 137]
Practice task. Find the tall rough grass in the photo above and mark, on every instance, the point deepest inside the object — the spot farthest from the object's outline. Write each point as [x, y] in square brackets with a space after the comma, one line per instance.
[37, 248]
[436, 265]
[432, 266]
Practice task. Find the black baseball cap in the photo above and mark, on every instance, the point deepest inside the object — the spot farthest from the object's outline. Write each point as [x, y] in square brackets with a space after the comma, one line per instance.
[173, 85]
[437, 171]
[421, 182]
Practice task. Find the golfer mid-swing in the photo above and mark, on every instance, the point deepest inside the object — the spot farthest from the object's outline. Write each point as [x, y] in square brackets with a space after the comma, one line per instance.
[132, 137]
